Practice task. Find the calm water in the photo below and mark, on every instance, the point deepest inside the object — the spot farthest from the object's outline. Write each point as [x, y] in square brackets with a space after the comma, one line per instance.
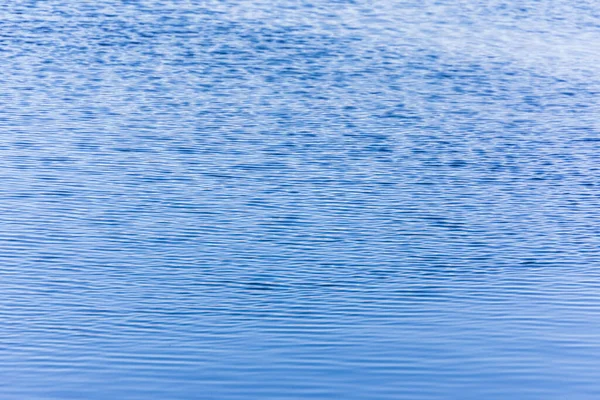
[292, 199]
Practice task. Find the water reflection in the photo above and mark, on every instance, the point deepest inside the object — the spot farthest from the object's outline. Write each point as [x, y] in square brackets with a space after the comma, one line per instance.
[291, 200]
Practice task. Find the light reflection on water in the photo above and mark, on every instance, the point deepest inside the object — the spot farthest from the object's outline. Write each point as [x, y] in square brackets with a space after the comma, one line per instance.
[349, 199]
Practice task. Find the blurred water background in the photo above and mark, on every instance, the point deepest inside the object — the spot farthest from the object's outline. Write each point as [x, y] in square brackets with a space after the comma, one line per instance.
[292, 199]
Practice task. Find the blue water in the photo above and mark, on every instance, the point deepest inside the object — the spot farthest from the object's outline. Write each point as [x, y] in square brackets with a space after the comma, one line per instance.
[291, 199]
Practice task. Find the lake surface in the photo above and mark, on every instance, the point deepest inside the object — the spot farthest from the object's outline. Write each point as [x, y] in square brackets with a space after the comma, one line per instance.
[300, 200]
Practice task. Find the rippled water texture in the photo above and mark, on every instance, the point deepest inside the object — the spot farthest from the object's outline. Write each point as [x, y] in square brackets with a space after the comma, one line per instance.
[291, 199]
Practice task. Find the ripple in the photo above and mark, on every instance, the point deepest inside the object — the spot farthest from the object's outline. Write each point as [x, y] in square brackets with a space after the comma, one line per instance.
[349, 199]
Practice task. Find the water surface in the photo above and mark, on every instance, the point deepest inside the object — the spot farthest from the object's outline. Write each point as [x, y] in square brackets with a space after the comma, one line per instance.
[294, 199]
